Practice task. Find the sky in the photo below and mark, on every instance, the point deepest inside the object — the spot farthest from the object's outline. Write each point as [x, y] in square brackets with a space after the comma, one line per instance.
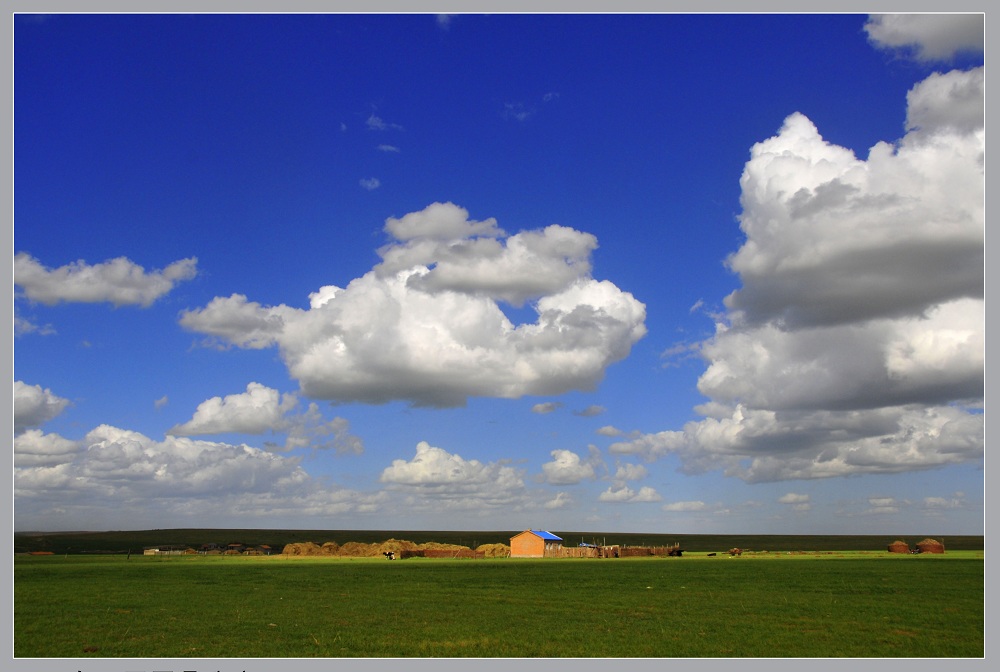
[666, 273]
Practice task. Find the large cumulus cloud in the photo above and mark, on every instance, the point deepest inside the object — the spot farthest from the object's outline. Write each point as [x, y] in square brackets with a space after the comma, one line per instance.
[426, 325]
[188, 481]
[856, 341]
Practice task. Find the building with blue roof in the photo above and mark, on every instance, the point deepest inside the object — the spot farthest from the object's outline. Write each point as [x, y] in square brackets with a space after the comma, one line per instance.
[535, 544]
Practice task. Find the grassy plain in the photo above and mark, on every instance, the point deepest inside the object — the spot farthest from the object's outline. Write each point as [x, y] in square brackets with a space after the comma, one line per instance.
[821, 604]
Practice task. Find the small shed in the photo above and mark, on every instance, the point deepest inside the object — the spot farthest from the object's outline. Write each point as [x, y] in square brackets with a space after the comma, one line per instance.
[535, 544]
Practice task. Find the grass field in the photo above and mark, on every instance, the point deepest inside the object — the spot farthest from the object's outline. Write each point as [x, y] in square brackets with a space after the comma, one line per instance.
[822, 604]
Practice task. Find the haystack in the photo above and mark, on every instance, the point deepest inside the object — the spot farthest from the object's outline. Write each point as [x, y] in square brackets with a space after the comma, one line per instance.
[930, 546]
[899, 547]
[494, 550]
[303, 548]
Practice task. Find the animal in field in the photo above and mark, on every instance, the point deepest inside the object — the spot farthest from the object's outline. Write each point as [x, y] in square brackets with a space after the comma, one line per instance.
[391, 555]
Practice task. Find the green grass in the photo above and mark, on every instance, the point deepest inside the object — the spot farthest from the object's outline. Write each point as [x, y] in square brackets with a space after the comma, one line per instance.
[818, 605]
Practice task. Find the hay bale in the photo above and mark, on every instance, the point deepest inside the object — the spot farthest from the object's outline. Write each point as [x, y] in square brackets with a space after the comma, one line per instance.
[396, 546]
[930, 546]
[899, 547]
[356, 549]
[494, 550]
[302, 548]
[329, 548]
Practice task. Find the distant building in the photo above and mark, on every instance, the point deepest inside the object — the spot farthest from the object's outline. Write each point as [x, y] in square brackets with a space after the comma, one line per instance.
[535, 544]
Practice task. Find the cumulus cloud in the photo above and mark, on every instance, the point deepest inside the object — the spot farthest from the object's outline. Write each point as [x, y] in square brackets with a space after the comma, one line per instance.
[118, 281]
[928, 37]
[33, 448]
[568, 468]
[447, 479]
[178, 478]
[258, 410]
[34, 406]
[630, 472]
[263, 409]
[426, 325]
[856, 342]
[627, 495]
[546, 407]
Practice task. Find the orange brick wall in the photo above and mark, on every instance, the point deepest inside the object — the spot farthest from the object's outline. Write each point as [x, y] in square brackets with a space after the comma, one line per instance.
[527, 545]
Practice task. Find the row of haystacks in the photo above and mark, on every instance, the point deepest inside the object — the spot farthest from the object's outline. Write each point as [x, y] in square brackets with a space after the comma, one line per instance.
[400, 547]
[925, 546]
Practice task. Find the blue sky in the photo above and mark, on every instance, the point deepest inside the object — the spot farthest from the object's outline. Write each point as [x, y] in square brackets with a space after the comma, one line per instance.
[658, 273]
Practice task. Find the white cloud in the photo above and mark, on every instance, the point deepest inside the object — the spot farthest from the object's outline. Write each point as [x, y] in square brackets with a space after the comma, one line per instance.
[370, 183]
[436, 476]
[177, 479]
[609, 430]
[24, 326]
[263, 409]
[560, 501]
[33, 448]
[117, 281]
[376, 123]
[426, 326]
[943, 502]
[856, 342]
[546, 407]
[443, 222]
[630, 472]
[34, 406]
[388, 148]
[931, 37]
[883, 505]
[794, 498]
[625, 494]
[567, 468]
[161, 402]
[685, 506]
[258, 410]
[311, 430]
[946, 103]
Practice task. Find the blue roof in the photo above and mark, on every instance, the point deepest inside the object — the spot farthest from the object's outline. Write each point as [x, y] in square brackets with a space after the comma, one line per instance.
[546, 535]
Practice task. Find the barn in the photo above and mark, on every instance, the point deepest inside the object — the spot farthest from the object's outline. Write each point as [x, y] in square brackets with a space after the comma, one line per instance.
[535, 544]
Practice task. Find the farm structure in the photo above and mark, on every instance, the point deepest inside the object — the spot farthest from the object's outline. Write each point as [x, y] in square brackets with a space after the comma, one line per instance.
[535, 544]
[543, 544]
